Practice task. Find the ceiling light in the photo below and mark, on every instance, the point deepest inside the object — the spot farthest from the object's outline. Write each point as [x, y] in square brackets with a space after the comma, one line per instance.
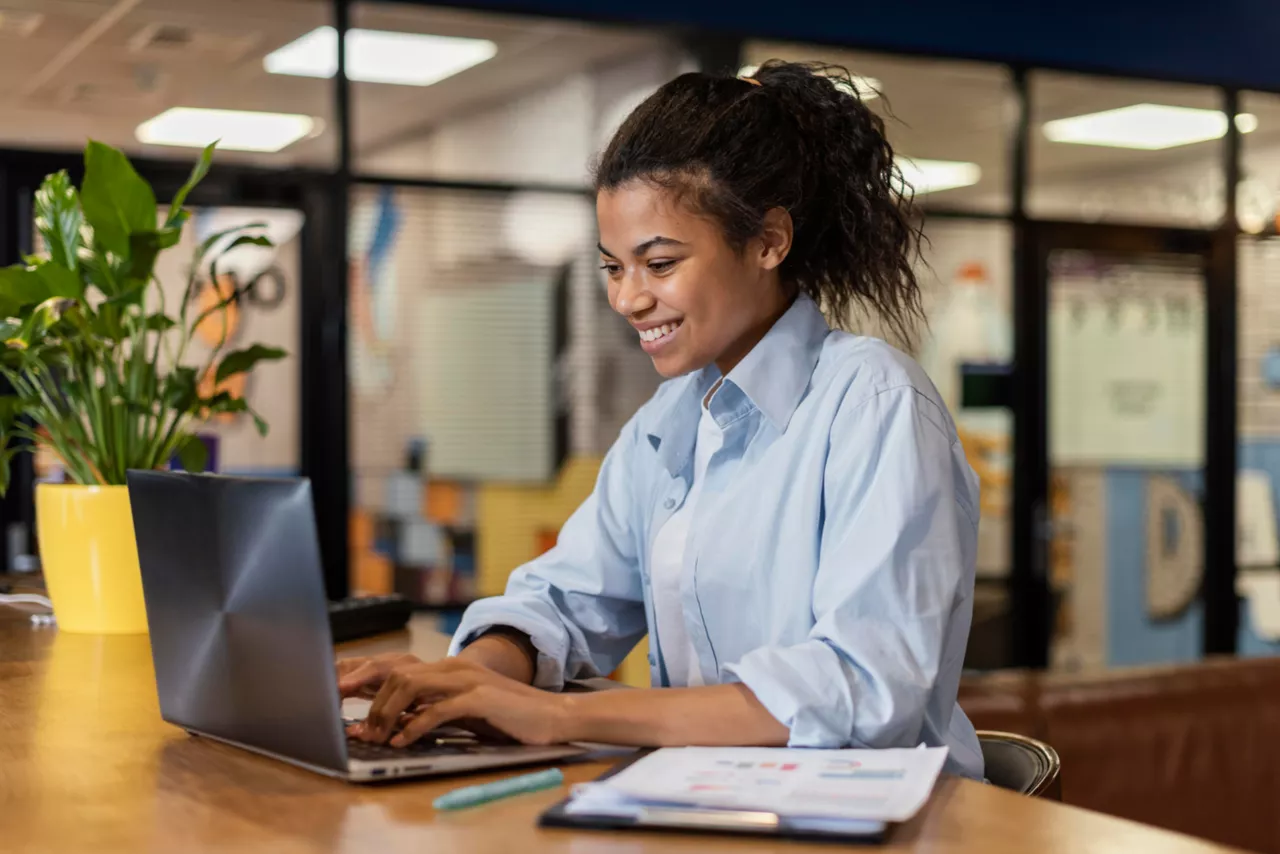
[866, 88]
[1148, 127]
[378, 56]
[934, 176]
[1246, 122]
[233, 130]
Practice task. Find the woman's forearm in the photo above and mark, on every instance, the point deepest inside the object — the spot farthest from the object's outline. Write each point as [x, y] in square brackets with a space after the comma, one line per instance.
[659, 717]
[503, 652]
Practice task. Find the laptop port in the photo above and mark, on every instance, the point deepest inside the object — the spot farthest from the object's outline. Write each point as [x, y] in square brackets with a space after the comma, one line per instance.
[377, 772]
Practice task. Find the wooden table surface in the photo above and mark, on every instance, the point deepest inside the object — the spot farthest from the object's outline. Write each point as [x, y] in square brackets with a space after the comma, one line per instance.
[86, 764]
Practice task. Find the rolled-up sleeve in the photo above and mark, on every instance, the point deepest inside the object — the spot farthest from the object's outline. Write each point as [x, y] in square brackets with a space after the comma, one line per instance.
[582, 602]
[890, 567]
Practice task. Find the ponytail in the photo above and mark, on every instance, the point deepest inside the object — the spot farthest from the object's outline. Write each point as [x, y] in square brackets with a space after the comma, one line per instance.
[801, 140]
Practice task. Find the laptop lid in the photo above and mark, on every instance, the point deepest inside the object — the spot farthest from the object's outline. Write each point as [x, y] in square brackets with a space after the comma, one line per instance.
[236, 606]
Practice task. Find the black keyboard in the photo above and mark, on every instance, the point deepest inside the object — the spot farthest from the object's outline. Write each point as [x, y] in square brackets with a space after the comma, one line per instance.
[372, 615]
[445, 742]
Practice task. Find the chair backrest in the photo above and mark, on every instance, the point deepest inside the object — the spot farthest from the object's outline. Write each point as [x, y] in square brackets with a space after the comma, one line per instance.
[1019, 763]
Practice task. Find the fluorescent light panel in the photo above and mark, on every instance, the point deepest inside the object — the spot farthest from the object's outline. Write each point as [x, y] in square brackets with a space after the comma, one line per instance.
[1148, 127]
[234, 130]
[934, 176]
[867, 88]
[379, 56]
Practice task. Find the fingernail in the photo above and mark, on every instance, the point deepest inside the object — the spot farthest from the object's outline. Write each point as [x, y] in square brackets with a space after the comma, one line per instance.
[399, 741]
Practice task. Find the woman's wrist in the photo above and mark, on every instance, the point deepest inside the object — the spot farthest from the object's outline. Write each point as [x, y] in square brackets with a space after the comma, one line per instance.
[506, 651]
[571, 723]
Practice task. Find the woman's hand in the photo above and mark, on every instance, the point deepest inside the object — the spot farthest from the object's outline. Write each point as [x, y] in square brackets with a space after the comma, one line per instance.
[454, 689]
[362, 677]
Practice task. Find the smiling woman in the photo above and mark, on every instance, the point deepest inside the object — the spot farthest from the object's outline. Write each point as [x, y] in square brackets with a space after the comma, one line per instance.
[791, 518]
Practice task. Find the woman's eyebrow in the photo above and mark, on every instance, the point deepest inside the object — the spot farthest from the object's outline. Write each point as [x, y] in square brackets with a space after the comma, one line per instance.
[645, 245]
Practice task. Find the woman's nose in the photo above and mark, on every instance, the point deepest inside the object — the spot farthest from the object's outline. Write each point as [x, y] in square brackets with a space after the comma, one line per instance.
[631, 297]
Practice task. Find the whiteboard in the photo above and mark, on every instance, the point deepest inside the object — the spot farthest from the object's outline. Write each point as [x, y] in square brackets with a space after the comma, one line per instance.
[1126, 362]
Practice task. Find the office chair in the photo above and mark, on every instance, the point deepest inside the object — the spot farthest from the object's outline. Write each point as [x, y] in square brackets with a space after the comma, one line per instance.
[1022, 764]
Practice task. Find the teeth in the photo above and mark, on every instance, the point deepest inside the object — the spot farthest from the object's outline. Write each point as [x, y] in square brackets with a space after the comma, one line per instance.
[658, 331]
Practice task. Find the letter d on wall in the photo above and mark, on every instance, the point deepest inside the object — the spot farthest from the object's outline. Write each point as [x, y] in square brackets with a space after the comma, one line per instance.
[1174, 548]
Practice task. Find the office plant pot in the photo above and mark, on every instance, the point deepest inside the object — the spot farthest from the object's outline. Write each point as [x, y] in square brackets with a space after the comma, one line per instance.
[90, 558]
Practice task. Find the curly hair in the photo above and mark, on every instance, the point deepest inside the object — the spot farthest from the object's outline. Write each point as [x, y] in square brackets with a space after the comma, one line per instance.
[795, 136]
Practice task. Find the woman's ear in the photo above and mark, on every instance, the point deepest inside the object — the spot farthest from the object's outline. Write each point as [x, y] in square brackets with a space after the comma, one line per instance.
[775, 238]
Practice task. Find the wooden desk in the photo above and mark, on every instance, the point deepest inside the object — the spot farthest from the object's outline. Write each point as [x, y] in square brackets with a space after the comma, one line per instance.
[86, 764]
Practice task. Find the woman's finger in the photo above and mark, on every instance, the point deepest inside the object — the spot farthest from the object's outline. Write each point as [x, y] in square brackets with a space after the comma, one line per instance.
[356, 681]
[357, 676]
[402, 691]
[433, 716]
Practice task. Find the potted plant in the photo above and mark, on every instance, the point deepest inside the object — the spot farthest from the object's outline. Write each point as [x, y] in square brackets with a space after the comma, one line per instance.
[99, 373]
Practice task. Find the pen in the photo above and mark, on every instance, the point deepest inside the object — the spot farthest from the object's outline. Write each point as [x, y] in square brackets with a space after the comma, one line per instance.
[470, 796]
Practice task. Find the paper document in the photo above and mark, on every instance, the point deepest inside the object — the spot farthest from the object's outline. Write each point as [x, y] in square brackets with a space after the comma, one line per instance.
[797, 784]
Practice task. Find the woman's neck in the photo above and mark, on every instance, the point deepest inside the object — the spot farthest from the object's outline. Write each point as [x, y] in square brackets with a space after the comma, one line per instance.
[753, 336]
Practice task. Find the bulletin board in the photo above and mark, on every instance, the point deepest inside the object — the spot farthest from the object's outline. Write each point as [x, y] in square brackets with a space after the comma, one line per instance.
[1126, 361]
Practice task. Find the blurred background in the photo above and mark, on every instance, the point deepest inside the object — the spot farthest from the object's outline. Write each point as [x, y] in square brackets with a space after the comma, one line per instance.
[1100, 198]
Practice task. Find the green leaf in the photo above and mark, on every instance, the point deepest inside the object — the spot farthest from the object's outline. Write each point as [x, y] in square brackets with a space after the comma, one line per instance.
[59, 281]
[99, 269]
[116, 201]
[240, 361]
[9, 329]
[131, 295]
[203, 249]
[144, 248]
[158, 323]
[180, 389]
[108, 322]
[260, 423]
[193, 454]
[20, 287]
[222, 403]
[247, 240]
[41, 319]
[10, 408]
[197, 175]
[5, 456]
[58, 219]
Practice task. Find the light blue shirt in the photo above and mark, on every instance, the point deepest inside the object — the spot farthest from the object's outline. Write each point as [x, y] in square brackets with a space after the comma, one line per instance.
[830, 562]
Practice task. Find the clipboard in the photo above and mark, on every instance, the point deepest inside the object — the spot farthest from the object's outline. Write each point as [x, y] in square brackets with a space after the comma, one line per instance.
[711, 821]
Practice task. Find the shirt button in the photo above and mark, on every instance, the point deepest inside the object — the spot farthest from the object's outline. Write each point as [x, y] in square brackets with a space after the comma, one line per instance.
[669, 503]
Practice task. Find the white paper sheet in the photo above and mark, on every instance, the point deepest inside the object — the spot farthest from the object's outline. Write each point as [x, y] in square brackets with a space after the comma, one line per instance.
[875, 785]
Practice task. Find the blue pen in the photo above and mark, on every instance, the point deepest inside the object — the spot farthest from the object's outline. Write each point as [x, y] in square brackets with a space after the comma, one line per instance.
[471, 796]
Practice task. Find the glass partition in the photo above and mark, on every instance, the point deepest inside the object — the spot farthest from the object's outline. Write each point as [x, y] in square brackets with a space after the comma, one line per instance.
[1106, 150]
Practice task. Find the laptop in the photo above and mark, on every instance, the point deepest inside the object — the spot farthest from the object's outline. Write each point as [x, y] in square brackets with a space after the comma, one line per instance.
[240, 633]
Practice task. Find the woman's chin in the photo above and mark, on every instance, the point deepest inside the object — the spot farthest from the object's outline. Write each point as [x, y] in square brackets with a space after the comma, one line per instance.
[671, 366]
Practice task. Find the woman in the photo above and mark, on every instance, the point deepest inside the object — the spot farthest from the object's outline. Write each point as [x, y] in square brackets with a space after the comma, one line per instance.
[791, 518]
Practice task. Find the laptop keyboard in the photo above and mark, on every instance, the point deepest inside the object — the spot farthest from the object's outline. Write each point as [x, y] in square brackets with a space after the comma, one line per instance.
[446, 742]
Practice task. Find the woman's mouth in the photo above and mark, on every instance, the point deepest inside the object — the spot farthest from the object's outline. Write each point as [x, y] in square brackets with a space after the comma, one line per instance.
[653, 340]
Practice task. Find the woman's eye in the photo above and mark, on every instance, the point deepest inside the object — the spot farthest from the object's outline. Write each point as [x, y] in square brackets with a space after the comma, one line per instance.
[611, 269]
[661, 266]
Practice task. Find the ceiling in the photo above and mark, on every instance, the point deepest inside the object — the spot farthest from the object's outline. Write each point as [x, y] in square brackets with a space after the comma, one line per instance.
[71, 69]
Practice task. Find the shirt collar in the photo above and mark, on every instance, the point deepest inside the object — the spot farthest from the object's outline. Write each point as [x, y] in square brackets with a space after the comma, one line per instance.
[772, 377]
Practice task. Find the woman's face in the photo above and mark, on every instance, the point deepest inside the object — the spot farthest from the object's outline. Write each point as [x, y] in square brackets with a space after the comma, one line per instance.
[692, 299]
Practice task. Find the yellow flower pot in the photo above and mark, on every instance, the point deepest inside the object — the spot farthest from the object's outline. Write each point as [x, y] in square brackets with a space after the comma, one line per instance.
[90, 558]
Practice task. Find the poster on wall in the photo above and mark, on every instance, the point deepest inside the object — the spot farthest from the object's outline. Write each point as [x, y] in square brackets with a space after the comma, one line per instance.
[1126, 361]
[268, 314]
